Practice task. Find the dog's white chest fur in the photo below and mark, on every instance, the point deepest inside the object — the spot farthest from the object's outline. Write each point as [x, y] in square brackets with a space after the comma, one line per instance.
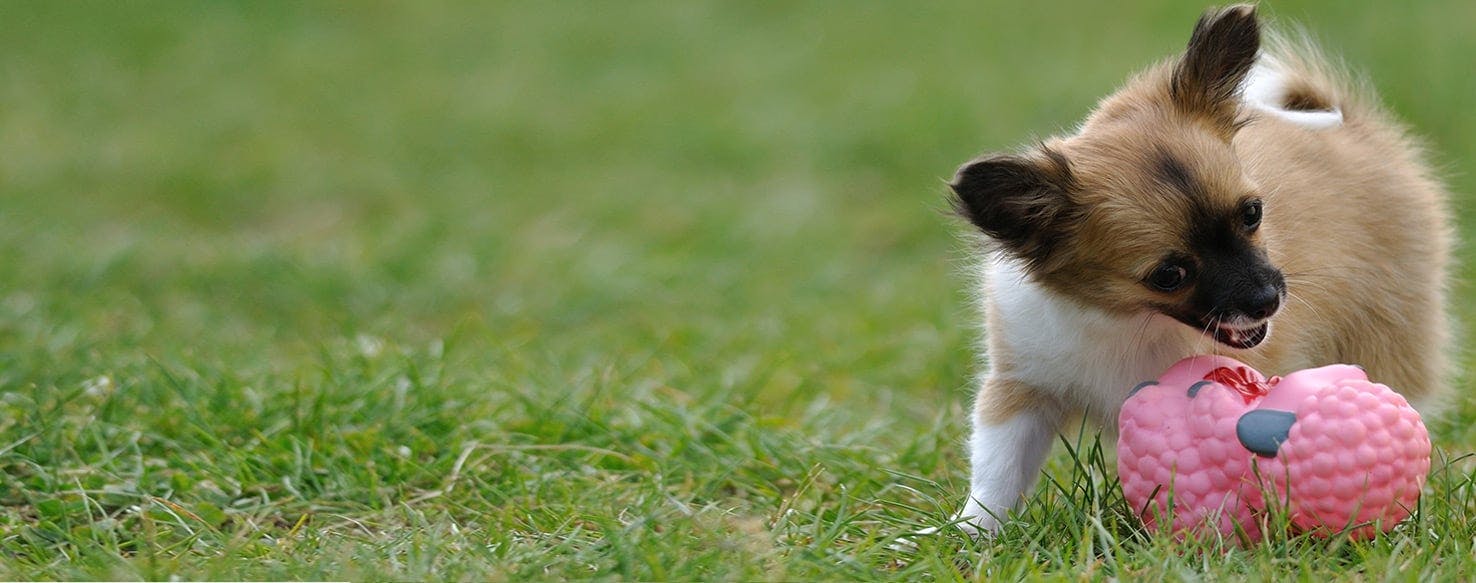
[1086, 358]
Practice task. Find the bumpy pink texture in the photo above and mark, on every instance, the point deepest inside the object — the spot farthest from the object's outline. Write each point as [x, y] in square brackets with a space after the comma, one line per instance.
[1356, 455]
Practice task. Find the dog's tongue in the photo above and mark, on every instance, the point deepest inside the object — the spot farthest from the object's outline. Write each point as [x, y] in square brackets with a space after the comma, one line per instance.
[1243, 380]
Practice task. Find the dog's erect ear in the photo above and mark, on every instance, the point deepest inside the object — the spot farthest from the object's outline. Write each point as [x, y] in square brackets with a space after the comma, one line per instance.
[1022, 203]
[1221, 51]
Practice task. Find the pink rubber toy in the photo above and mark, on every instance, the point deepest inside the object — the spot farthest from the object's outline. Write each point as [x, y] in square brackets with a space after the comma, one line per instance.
[1213, 438]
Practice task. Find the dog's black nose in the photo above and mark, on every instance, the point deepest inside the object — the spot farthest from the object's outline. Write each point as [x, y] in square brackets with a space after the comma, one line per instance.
[1262, 303]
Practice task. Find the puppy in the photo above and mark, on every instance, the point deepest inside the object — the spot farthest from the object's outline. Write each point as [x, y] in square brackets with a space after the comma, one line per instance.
[1232, 200]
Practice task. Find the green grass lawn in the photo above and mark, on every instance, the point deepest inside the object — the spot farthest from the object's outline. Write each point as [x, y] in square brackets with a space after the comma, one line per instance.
[527, 290]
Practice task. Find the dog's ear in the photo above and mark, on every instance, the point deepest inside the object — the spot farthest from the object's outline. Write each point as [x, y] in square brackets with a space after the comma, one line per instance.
[1024, 203]
[1206, 81]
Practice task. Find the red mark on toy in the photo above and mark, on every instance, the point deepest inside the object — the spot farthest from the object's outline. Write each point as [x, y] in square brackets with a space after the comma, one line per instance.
[1243, 380]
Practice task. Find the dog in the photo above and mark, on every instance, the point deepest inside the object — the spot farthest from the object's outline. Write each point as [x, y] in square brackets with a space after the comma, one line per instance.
[1242, 200]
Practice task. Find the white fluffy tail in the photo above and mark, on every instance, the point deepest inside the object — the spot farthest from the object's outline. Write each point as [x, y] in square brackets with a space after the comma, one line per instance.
[1268, 88]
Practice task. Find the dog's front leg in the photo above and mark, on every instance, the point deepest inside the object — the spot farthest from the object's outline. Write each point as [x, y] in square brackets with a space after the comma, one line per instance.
[1014, 427]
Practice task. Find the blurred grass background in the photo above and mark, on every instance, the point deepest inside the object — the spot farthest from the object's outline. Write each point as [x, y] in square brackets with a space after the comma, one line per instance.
[648, 289]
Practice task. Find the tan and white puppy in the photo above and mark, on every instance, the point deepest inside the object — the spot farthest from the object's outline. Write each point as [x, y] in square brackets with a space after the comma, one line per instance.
[1233, 200]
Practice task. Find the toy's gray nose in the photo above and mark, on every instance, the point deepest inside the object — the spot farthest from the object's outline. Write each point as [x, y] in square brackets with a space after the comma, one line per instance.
[1264, 430]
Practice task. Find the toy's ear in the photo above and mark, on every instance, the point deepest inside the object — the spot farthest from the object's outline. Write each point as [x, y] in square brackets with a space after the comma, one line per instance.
[1221, 52]
[1021, 202]
[1262, 431]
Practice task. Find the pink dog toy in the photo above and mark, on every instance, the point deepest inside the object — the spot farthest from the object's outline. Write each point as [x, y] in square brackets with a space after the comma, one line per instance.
[1212, 438]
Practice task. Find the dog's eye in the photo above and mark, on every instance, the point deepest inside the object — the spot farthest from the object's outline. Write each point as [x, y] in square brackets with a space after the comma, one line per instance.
[1251, 215]
[1168, 277]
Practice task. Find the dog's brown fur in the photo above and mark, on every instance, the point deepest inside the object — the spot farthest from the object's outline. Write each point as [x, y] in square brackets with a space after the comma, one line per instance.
[1353, 216]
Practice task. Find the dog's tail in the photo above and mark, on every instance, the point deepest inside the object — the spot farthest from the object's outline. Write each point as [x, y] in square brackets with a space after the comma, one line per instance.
[1294, 80]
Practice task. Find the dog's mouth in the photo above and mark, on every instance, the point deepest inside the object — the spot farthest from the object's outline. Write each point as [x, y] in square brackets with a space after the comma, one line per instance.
[1241, 337]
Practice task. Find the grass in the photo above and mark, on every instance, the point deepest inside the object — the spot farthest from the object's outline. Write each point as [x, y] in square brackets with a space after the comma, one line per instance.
[510, 291]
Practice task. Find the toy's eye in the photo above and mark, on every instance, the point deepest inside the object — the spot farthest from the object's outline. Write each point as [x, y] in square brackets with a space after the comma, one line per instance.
[1251, 214]
[1168, 277]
